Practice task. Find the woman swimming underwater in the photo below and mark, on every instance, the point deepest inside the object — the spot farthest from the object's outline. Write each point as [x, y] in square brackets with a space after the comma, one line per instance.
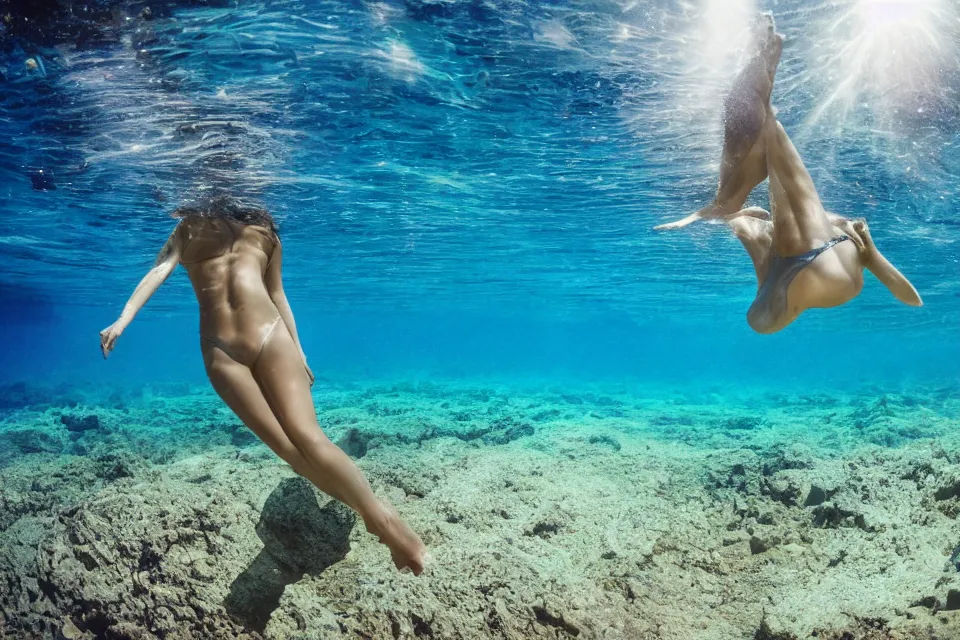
[804, 256]
[252, 353]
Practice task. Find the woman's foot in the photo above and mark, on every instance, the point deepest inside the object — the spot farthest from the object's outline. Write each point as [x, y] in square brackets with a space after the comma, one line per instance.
[405, 545]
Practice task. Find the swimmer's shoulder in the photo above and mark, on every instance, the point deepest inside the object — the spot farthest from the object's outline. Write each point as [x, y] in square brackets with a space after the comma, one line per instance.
[269, 240]
[201, 238]
[264, 232]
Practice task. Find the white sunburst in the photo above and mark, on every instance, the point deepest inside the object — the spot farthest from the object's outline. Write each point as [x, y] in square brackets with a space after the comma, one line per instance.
[887, 55]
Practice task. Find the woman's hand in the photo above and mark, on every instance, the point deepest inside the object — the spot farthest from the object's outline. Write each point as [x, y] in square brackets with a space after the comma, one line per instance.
[310, 376]
[108, 337]
[309, 372]
[863, 233]
[850, 228]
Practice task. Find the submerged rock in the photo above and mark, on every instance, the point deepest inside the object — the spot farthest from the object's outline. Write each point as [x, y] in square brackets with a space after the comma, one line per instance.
[168, 548]
[34, 441]
[506, 430]
[816, 496]
[948, 489]
[739, 470]
[116, 465]
[764, 632]
[606, 440]
[668, 538]
[69, 631]
[763, 543]
[79, 425]
[744, 423]
[354, 443]
[783, 488]
[557, 621]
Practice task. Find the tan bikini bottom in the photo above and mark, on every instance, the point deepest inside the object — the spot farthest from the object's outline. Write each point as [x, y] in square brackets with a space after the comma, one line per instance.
[240, 353]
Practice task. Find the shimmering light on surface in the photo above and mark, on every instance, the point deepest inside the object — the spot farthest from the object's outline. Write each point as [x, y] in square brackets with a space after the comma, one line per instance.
[888, 55]
[402, 61]
[722, 27]
[713, 44]
[502, 156]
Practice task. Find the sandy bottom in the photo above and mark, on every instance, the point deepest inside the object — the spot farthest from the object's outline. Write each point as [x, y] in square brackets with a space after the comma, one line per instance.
[549, 513]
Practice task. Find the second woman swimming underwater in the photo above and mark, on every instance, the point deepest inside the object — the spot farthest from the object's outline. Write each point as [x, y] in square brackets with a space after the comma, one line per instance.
[804, 256]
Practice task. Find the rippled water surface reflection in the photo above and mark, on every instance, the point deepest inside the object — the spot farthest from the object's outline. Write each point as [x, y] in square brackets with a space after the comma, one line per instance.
[478, 154]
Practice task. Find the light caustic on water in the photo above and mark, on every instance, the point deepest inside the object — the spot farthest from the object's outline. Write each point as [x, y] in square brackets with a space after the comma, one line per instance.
[889, 55]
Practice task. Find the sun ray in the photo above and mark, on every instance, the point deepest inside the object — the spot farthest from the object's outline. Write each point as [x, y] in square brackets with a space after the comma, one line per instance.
[887, 55]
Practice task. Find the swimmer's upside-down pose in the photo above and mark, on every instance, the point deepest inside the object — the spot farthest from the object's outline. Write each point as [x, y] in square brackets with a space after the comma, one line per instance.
[252, 353]
[800, 252]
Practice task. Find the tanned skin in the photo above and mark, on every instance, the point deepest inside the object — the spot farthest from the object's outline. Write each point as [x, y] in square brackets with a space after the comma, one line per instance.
[253, 358]
[756, 147]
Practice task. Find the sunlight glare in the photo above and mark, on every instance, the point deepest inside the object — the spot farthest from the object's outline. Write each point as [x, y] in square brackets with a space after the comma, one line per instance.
[710, 54]
[401, 60]
[887, 53]
[723, 24]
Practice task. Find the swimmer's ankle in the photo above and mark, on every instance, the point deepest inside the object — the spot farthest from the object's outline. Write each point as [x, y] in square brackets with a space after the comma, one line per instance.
[379, 520]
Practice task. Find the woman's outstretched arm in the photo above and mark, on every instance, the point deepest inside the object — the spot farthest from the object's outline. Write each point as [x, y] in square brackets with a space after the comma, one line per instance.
[885, 272]
[274, 282]
[166, 262]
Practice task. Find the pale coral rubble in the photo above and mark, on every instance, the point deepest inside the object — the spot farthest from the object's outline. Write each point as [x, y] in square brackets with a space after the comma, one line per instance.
[608, 512]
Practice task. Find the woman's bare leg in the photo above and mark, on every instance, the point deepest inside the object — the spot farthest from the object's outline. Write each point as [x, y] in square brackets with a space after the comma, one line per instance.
[234, 383]
[746, 108]
[755, 232]
[799, 221]
[280, 375]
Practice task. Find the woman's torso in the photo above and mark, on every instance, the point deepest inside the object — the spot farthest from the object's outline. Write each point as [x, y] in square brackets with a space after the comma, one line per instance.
[227, 262]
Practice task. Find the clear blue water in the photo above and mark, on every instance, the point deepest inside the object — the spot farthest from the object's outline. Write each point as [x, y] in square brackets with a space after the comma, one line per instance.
[567, 406]
[468, 188]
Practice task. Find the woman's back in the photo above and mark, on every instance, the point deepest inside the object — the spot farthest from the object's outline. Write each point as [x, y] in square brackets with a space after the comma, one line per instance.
[227, 263]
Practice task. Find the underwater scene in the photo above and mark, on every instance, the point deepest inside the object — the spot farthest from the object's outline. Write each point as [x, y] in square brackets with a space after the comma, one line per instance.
[614, 319]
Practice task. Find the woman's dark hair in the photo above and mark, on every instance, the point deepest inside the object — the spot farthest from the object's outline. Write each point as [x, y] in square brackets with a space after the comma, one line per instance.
[229, 208]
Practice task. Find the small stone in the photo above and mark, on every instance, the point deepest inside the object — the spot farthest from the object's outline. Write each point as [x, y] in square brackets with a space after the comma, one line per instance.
[607, 440]
[953, 600]
[764, 544]
[355, 443]
[744, 423]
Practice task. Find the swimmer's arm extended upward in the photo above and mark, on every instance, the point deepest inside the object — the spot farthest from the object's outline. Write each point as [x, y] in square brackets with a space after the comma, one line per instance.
[166, 262]
[274, 282]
